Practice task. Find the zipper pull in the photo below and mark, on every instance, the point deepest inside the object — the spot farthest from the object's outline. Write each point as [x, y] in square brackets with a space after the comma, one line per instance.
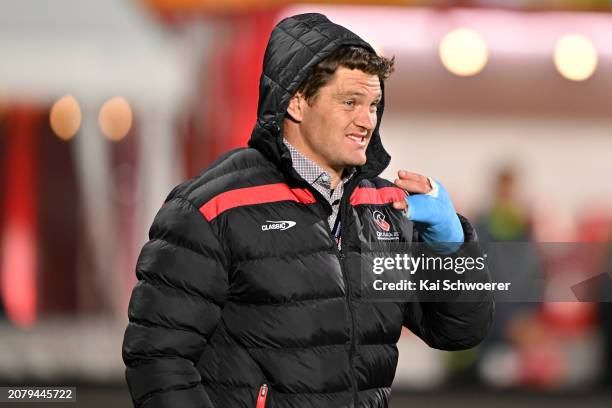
[263, 394]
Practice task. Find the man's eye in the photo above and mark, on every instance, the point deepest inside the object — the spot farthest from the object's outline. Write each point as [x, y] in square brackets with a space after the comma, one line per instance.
[349, 103]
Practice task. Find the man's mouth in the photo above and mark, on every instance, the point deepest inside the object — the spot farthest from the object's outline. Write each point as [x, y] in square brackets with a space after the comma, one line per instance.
[360, 140]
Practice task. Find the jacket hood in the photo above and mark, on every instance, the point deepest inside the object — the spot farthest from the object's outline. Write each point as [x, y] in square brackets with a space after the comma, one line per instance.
[296, 45]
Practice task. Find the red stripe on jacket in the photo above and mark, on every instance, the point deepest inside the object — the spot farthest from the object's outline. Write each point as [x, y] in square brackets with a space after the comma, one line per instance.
[268, 193]
[370, 195]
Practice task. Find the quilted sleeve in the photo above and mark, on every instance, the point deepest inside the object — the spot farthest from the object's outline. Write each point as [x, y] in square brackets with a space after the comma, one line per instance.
[454, 324]
[174, 308]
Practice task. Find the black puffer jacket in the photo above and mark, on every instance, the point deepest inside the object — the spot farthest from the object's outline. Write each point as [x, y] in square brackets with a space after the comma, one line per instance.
[243, 298]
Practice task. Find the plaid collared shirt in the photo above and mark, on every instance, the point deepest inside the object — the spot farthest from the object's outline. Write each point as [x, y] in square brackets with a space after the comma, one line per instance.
[320, 180]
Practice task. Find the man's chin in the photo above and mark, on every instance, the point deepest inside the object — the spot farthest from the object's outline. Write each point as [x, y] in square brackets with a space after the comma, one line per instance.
[356, 162]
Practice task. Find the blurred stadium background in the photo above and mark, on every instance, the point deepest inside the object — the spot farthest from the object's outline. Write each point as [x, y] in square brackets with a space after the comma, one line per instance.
[106, 105]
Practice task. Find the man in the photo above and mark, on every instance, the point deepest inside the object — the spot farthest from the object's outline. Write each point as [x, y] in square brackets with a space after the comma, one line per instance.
[249, 288]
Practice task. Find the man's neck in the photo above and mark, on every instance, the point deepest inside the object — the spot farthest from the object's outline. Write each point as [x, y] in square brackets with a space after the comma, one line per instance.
[334, 173]
[335, 179]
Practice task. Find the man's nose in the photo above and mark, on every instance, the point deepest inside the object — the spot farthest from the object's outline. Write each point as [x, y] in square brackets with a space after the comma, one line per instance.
[366, 119]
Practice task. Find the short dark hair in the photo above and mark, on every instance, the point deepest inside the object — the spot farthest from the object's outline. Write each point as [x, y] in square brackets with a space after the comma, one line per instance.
[350, 57]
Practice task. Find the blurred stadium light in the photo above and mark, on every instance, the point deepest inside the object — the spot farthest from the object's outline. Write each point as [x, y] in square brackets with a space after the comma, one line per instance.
[575, 57]
[65, 117]
[463, 52]
[115, 118]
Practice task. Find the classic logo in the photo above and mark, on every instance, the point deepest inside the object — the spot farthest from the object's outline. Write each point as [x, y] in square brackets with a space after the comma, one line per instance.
[379, 219]
[277, 225]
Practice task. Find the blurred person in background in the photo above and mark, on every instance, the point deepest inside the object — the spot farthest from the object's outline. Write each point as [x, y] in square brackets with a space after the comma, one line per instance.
[506, 221]
[594, 312]
[604, 310]
[248, 292]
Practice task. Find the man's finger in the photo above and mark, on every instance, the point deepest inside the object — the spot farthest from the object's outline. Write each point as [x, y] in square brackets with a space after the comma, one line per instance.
[400, 205]
[408, 175]
[412, 186]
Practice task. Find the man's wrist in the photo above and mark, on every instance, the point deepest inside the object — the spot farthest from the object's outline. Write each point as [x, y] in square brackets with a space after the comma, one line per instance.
[450, 231]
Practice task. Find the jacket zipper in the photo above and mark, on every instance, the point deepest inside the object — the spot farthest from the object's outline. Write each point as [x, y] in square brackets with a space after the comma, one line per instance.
[262, 396]
[349, 291]
[340, 255]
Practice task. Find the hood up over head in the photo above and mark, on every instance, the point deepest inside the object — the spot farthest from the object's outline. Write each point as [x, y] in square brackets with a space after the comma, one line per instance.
[297, 44]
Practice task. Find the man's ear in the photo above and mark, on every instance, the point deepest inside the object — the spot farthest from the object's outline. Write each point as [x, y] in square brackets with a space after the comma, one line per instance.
[295, 110]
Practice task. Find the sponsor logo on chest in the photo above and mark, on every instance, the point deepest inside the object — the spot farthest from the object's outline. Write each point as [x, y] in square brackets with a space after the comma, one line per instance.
[383, 232]
[277, 225]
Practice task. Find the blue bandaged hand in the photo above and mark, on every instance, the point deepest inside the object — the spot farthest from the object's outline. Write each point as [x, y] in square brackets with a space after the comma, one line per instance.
[429, 206]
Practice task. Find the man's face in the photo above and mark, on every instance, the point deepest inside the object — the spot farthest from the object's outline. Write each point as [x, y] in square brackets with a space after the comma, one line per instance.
[338, 122]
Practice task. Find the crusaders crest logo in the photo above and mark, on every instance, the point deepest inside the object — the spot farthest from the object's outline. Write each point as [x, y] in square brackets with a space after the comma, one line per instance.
[379, 219]
[383, 227]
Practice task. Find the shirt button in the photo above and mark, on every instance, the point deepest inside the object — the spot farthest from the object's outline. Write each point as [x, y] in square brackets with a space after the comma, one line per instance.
[324, 180]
